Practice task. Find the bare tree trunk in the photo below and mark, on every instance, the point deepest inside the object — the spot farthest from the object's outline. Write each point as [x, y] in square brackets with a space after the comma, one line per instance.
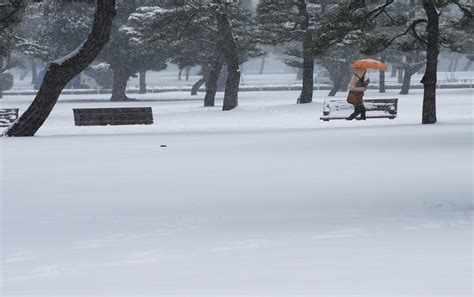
[406, 82]
[34, 72]
[340, 76]
[468, 65]
[197, 86]
[306, 95]
[345, 82]
[119, 86]
[180, 73]
[262, 66]
[430, 78]
[337, 82]
[400, 75]
[2, 81]
[211, 83]
[382, 77]
[299, 73]
[199, 83]
[59, 73]
[451, 63]
[188, 70]
[227, 43]
[394, 71]
[335, 88]
[456, 62]
[142, 78]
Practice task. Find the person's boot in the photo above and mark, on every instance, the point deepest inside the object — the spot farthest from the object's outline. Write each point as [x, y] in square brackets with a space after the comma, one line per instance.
[351, 117]
[354, 114]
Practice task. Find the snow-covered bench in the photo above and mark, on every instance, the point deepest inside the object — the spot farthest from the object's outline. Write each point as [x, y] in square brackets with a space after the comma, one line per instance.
[376, 109]
[113, 116]
[8, 116]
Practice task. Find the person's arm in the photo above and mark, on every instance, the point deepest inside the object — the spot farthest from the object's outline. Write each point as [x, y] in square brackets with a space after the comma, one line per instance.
[366, 83]
[353, 83]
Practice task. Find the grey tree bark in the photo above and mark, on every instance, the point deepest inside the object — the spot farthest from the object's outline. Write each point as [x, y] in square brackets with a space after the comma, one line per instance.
[410, 70]
[34, 71]
[430, 78]
[406, 82]
[188, 70]
[119, 87]
[262, 66]
[299, 73]
[142, 82]
[340, 80]
[382, 77]
[229, 48]
[400, 75]
[306, 95]
[468, 65]
[211, 83]
[200, 82]
[59, 73]
[394, 71]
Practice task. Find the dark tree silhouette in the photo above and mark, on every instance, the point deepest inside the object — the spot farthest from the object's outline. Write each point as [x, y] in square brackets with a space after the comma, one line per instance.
[60, 72]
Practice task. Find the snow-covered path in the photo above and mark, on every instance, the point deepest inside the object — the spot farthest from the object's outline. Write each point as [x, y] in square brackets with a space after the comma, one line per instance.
[263, 200]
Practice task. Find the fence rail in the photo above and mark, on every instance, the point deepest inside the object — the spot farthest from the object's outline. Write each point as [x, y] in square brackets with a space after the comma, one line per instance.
[442, 84]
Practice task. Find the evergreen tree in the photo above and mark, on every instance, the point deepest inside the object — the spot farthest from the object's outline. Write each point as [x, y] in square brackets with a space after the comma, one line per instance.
[61, 71]
[437, 32]
[290, 21]
[204, 33]
[11, 13]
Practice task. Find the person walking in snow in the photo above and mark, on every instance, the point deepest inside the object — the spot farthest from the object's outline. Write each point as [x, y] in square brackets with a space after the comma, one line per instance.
[357, 87]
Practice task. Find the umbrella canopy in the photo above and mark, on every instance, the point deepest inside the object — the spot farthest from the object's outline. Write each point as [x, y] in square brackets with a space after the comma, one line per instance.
[369, 64]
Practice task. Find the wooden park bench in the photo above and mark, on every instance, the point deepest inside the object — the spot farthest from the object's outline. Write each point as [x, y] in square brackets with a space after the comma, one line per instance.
[376, 109]
[113, 116]
[8, 116]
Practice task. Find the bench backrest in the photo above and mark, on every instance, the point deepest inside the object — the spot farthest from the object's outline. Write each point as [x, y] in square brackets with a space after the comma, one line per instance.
[113, 116]
[8, 116]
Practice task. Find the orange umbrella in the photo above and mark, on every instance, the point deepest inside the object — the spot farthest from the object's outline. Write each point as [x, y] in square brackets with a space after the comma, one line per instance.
[369, 64]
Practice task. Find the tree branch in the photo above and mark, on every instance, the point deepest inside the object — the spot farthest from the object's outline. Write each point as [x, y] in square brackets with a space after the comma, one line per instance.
[412, 27]
[377, 11]
[467, 12]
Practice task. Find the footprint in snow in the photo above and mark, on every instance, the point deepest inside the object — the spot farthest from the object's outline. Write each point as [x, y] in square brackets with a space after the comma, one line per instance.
[143, 257]
[19, 257]
[240, 245]
[39, 272]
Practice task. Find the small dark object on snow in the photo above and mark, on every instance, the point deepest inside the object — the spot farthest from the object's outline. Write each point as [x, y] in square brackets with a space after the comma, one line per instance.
[113, 116]
[8, 116]
[163, 145]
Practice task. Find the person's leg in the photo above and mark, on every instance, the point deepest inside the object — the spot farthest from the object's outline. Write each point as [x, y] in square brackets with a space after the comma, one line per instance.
[362, 112]
[354, 114]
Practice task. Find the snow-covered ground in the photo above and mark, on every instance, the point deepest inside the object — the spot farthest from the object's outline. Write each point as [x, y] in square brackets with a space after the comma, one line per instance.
[263, 200]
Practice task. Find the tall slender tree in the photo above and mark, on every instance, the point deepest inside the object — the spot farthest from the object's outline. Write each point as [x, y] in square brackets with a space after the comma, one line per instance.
[292, 21]
[61, 71]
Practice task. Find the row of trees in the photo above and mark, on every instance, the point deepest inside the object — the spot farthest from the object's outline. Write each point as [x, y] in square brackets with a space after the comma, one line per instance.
[223, 34]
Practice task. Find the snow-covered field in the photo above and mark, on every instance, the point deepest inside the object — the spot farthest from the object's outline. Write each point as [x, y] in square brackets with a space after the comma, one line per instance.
[263, 200]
